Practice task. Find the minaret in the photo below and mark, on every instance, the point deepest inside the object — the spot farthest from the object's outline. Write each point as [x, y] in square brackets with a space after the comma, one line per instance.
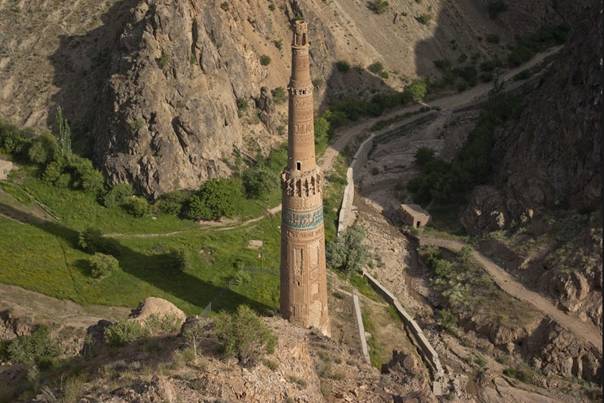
[303, 272]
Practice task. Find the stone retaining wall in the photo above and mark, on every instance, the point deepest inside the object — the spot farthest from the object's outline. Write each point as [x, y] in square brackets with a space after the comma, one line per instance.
[360, 326]
[425, 349]
[346, 217]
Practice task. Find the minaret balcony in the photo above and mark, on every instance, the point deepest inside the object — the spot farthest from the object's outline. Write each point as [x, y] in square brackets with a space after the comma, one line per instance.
[302, 184]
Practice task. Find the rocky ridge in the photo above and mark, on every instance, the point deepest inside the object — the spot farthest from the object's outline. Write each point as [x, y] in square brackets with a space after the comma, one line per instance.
[156, 90]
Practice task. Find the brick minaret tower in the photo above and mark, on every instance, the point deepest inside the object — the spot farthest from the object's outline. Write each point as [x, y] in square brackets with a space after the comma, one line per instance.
[303, 273]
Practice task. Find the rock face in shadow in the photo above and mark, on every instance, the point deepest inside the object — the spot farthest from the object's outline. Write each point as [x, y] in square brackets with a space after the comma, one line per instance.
[550, 156]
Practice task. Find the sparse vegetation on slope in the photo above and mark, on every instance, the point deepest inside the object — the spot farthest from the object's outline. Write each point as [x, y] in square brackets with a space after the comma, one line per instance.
[446, 181]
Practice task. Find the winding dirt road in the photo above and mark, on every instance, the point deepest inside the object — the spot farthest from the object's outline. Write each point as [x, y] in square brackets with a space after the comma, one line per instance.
[514, 288]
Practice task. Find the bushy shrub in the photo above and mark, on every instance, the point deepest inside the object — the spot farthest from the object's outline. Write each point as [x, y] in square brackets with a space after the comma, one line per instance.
[90, 239]
[136, 206]
[244, 335]
[43, 149]
[322, 131]
[259, 180]
[347, 252]
[279, 95]
[117, 195]
[63, 181]
[162, 325]
[378, 6]
[171, 203]
[124, 332]
[343, 66]
[216, 198]
[179, 259]
[102, 265]
[417, 90]
[14, 141]
[376, 68]
[52, 172]
[265, 60]
[423, 19]
[38, 348]
[83, 174]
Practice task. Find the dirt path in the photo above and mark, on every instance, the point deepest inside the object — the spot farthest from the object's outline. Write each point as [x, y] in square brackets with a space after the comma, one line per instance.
[40, 308]
[514, 288]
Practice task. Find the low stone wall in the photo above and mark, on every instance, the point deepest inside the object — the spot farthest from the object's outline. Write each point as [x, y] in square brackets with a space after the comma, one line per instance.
[345, 217]
[427, 352]
[360, 326]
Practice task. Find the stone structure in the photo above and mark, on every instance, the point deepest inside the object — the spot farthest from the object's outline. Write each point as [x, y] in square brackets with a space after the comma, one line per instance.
[414, 216]
[303, 271]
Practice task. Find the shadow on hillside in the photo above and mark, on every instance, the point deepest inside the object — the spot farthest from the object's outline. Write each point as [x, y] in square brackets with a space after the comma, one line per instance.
[82, 69]
[158, 270]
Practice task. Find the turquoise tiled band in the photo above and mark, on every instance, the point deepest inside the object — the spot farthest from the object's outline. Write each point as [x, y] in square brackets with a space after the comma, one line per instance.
[303, 219]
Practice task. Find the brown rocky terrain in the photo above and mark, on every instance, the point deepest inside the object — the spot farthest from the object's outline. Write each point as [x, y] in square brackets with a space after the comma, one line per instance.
[306, 367]
[544, 198]
[156, 89]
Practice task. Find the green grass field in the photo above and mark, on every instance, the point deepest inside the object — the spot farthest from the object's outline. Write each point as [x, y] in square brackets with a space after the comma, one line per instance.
[43, 256]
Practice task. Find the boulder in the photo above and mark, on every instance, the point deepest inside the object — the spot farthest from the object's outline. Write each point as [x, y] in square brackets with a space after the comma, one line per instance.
[159, 308]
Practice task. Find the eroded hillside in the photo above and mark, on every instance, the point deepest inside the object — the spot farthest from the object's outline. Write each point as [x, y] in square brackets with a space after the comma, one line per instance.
[163, 92]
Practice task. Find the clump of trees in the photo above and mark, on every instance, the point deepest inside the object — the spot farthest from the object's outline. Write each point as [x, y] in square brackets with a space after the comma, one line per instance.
[346, 252]
[37, 350]
[444, 181]
[215, 198]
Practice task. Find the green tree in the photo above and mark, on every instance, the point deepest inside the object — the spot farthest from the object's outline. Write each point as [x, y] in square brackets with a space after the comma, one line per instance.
[259, 180]
[43, 149]
[117, 195]
[52, 172]
[417, 90]
[265, 60]
[63, 132]
[343, 66]
[244, 335]
[102, 265]
[322, 131]
[216, 198]
[347, 252]
[84, 175]
[171, 203]
[137, 206]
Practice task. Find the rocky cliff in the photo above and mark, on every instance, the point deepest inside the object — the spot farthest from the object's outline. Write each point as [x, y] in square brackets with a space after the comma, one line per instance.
[546, 189]
[157, 90]
[550, 156]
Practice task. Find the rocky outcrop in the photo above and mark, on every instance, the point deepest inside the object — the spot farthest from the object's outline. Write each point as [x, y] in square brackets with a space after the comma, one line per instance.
[550, 156]
[157, 90]
[554, 350]
[160, 309]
